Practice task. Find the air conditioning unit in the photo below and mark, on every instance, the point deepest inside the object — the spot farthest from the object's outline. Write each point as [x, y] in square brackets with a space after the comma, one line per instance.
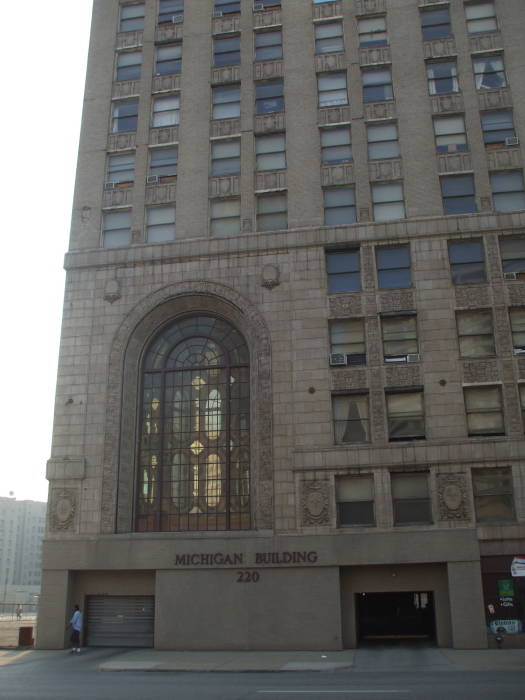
[177, 19]
[356, 358]
[334, 103]
[152, 179]
[337, 359]
[518, 351]
[510, 275]
[413, 357]
[110, 185]
[216, 14]
[258, 6]
[512, 141]
[395, 358]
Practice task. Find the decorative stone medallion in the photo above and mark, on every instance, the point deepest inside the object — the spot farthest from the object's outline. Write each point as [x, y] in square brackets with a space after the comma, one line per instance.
[315, 503]
[452, 496]
[63, 509]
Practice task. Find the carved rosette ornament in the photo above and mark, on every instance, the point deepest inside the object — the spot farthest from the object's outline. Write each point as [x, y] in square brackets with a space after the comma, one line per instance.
[270, 276]
[452, 497]
[63, 510]
[315, 503]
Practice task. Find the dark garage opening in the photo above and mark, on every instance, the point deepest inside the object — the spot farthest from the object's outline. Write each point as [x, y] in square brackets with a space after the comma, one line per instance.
[120, 621]
[405, 616]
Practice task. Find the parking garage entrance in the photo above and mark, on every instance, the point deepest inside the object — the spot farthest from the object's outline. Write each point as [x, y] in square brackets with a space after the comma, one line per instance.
[396, 616]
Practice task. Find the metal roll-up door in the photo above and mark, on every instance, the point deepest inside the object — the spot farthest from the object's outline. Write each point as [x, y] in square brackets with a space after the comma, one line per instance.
[120, 621]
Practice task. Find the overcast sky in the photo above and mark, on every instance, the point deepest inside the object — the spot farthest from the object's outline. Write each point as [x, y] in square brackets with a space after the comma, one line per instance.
[39, 122]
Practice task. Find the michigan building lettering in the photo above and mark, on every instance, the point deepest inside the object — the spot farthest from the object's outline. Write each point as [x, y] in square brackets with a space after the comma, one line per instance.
[237, 559]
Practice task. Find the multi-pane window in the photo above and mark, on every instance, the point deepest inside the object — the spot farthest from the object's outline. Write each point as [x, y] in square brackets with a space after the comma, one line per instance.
[410, 498]
[128, 65]
[377, 85]
[166, 111]
[484, 410]
[388, 202]
[270, 152]
[266, 4]
[457, 192]
[450, 134]
[339, 206]
[399, 337]
[227, 51]
[226, 102]
[343, 270]
[442, 77]
[272, 212]
[355, 500]
[351, 421]
[489, 72]
[168, 59]
[467, 261]
[521, 388]
[507, 190]
[121, 168]
[336, 144]
[160, 224]
[406, 418]
[163, 163]
[125, 116]
[517, 325]
[347, 341]
[435, 23]
[116, 229]
[331, 88]
[269, 97]
[382, 141]
[475, 333]
[512, 250]
[498, 128]
[393, 267]
[493, 494]
[268, 45]
[372, 31]
[131, 18]
[225, 217]
[168, 9]
[481, 17]
[226, 157]
[226, 7]
[329, 37]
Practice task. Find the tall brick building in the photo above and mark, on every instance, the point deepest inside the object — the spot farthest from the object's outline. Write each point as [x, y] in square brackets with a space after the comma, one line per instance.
[290, 392]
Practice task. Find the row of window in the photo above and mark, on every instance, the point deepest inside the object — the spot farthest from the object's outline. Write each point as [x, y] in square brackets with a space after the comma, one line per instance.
[355, 498]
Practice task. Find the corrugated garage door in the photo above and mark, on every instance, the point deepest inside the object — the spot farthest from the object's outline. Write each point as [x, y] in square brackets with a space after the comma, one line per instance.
[120, 621]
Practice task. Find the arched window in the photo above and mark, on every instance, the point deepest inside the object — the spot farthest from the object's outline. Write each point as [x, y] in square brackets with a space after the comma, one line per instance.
[193, 464]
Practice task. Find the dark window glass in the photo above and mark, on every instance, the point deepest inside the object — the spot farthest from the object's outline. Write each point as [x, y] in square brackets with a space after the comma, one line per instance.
[393, 267]
[435, 24]
[169, 8]
[342, 267]
[458, 194]
[467, 262]
[269, 97]
[497, 127]
[226, 7]
[227, 51]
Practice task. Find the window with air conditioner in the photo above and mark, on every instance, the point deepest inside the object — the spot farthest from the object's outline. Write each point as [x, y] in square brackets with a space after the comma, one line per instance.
[347, 340]
[168, 9]
[163, 163]
[498, 128]
[399, 337]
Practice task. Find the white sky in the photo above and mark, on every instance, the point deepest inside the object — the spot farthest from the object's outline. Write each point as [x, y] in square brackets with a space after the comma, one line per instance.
[40, 121]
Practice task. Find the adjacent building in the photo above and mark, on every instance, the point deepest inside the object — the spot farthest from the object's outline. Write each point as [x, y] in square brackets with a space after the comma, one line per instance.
[289, 410]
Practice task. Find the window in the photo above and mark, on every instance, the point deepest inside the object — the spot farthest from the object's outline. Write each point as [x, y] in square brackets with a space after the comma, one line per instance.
[269, 97]
[388, 202]
[336, 144]
[351, 422]
[160, 224]
[226, 102]
[131, 18]
[435, 24]
[195, 397]
[339, 206]
[507, 190]
[457, 192]
[382, 141]
[166, 111]
[268, 45]
[450, 134]
[125, 116]
[331, 88]
[377, 85]
[517, 324]
[227, 51]
[521, 388]
[399, 337]
[343, 270]
[493, 494]
[484, 410]
[270, 152]
[226, 7]
[121, 169]
[329, 37]
[272, 214]
[512, 250]
[475, 333]
[489, 72]
[163, 163]
[116, 229]
[268, 4]
[168, 59]
[226, 157]
[347, 338]
[225, 217]
[406, 419]
[169, 8]
[497, 127]
[467, 261]
[372, 31]
[410, 498]
[355, 500]
[481, 17]
[442, 77]
[128, 65]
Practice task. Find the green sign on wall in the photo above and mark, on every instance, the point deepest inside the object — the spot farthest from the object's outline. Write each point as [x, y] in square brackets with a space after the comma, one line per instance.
[505, 588]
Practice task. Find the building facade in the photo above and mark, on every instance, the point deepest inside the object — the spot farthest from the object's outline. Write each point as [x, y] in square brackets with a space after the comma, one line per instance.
[290, 392]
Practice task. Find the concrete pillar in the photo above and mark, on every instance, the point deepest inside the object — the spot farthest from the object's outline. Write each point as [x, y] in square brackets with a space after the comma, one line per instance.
[466, 605]
[53, 610]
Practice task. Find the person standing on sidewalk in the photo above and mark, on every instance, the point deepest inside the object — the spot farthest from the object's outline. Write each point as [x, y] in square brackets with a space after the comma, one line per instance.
[76, 625]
